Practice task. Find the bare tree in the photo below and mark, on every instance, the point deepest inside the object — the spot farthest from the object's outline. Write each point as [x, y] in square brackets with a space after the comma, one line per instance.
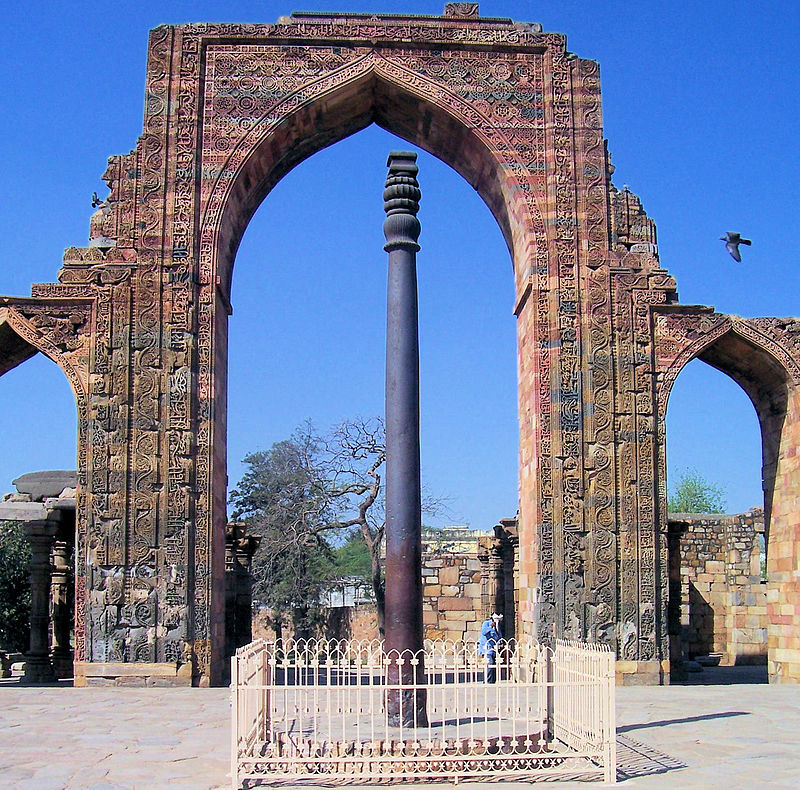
[354, 458]
[356, 453]
[303, 495]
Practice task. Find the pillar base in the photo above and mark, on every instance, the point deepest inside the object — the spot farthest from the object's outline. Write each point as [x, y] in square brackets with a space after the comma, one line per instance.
[642, 673]
[38, 669]
[138, 673]
[62, 666]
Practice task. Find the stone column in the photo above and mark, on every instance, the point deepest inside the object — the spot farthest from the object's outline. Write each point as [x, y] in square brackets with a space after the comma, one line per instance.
[40, 534]
[230, 591]
[484, 546]
[403, 498]
[506, 531]
[496, 579]
[245, 549]
[510, 560]
[239, 550]
[60, 580]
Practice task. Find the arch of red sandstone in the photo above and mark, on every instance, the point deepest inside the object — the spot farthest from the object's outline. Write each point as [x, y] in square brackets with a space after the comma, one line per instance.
[760, 356]
[61, 330]
[374, 89]
[231, 108]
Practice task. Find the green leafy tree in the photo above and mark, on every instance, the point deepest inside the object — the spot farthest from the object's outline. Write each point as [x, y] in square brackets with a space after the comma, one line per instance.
[693, 493]
[284, 499]
[352, 558]
[15, 592]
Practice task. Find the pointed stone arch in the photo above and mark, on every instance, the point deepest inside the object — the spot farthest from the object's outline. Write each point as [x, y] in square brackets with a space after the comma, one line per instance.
[62, 331]
[761, 356]
[334, 98]
[332, 106]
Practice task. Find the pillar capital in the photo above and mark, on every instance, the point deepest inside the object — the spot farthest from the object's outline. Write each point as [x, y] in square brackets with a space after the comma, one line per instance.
[401, 196]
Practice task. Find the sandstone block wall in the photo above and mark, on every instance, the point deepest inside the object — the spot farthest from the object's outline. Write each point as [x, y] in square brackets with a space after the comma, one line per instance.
[467, 574]
[452, 594]
[723, 597]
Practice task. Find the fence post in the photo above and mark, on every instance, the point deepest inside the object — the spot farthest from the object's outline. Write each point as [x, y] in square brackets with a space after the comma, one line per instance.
[549, 693]
[234, 723]
[609, 696]
[266, 680]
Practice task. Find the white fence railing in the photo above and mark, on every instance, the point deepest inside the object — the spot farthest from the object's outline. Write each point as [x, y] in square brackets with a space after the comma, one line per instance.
[323, 710]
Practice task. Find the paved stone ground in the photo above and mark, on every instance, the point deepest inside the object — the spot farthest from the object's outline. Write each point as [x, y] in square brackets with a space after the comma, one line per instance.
[733, 734]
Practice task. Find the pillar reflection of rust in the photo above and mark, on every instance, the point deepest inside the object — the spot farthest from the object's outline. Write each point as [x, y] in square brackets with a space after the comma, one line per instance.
[403, 508]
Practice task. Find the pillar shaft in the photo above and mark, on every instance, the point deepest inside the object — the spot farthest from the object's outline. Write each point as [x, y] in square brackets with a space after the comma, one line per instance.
[403, 496]
[38, 668]
[60, 581]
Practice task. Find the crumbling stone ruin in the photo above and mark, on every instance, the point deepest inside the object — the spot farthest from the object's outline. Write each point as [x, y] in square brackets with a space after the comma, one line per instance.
[44, 503]
[138, 318]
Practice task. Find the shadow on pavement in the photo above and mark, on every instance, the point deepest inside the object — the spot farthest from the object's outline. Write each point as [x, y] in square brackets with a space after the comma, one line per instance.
[19, 683]
[726, 676]
[686, 720]
[636, 759]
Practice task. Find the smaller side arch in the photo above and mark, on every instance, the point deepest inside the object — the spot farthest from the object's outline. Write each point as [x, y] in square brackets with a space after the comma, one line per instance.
[756, 362]
[62, 331]
[763, 357]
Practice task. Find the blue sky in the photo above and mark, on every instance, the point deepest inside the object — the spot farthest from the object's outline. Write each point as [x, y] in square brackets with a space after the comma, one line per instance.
[702, 111]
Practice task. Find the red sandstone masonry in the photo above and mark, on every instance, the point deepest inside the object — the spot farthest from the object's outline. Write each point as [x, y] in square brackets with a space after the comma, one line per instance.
[138, 322]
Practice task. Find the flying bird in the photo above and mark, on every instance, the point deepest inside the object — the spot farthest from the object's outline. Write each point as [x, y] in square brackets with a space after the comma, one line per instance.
[732, 242]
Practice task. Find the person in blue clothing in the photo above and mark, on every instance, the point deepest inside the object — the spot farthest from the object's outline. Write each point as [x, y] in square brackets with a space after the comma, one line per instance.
[491, 636]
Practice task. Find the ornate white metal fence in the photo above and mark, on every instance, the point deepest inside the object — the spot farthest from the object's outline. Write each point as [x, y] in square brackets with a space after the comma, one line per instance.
[317, 711]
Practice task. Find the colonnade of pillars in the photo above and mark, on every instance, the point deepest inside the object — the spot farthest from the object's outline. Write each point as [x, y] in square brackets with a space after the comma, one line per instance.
[50, 655]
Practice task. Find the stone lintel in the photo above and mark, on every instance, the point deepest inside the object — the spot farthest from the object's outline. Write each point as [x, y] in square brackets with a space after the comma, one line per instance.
[22, 511]
[41, 485]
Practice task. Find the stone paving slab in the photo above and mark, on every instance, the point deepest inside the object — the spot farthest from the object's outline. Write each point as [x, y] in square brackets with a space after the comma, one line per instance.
[694, 737]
